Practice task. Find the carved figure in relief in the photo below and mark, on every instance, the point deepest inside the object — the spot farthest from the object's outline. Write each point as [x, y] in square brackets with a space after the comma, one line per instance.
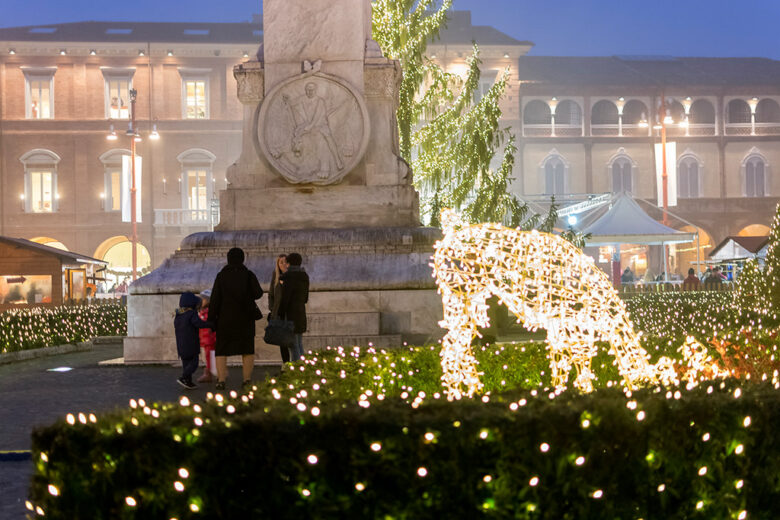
[313, 128]
[310, 115]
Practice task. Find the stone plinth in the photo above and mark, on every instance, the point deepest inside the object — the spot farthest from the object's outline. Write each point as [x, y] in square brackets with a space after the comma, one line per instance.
[368, 285]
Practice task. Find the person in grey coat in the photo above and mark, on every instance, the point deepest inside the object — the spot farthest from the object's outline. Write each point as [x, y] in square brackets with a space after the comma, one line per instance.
[232, 310]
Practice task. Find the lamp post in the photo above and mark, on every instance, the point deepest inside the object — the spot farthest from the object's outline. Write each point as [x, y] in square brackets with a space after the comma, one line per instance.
[663, 118]
[135, 137]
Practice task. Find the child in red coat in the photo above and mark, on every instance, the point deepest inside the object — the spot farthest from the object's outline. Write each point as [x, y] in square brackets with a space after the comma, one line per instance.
[208, 338]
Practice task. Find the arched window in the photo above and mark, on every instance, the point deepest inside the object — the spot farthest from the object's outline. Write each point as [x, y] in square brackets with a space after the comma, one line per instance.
[604, 113]
[676, 110]
[40, 181]
[688, 174]
[737, 112]
[568, 112]
[197, 183]
[767, 111]
[622, 168]
[633, 111]
[112, 178]
[755, 170]
[537, 112]
[555, 170]
[702, 113]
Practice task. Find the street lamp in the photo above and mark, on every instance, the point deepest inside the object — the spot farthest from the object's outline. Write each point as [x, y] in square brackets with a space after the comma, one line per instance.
[135, 137]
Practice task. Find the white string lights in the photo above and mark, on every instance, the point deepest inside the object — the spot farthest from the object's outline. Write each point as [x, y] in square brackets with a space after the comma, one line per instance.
[547, 283]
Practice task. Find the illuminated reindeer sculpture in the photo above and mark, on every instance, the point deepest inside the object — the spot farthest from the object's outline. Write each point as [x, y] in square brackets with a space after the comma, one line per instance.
[547, 283]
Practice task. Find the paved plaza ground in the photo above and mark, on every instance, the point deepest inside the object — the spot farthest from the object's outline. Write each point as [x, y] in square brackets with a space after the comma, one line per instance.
[31, 395]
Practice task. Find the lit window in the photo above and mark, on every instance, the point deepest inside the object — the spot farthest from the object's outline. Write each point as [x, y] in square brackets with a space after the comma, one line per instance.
[196, 104]
[197, 184]
[41, 191]
[39, 93]
[112, 167]
[40, 181]
[118, 82]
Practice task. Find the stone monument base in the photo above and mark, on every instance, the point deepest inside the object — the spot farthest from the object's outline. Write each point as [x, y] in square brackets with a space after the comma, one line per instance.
[368, 286]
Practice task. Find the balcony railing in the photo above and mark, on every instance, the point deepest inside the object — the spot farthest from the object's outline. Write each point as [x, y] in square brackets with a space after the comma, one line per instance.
[186, 217]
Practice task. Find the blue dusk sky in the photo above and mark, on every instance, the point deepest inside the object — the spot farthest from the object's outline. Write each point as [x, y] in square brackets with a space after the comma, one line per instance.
[558, 27]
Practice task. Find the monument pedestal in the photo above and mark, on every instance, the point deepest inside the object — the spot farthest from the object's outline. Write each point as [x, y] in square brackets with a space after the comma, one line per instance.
[369, 286]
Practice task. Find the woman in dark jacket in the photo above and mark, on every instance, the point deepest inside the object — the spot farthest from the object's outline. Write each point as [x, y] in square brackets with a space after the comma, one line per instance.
[275, 299]
[295, 296]
[232, 310]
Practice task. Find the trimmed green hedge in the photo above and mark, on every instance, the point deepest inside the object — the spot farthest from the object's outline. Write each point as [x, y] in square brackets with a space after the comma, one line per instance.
[37, 327]
[707, 453]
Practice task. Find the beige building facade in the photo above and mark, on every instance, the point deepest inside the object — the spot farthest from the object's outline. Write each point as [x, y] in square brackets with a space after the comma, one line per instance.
[578, 124]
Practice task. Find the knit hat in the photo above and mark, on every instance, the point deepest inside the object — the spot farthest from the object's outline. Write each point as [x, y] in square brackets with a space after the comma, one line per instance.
[206, 293]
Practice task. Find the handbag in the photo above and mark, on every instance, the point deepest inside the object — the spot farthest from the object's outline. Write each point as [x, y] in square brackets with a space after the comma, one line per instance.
[279, 332]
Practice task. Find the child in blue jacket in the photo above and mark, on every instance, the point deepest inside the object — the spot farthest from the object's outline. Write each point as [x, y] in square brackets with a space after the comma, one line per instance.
[186, 324]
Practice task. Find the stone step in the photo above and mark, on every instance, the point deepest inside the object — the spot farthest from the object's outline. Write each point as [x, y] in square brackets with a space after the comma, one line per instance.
[335, 324]
[378, 341]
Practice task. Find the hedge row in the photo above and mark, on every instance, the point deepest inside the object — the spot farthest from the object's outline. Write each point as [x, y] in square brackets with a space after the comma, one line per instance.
[38, 327]
[710, 452]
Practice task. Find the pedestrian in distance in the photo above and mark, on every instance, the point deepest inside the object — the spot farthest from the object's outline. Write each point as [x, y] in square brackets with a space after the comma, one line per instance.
[186, 324]
[295, 296]
[208, 339]
[275, 299]
[691, 283]
[233, 311]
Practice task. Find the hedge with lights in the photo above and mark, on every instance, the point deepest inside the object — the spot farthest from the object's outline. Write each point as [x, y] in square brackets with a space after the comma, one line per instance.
[709, 453]
[29, 328]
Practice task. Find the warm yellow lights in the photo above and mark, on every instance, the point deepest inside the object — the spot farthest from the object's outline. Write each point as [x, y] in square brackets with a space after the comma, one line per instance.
[548, 284]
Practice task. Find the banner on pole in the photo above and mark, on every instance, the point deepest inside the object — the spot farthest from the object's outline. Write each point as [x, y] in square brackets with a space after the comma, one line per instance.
[126, 184]
[671, 173]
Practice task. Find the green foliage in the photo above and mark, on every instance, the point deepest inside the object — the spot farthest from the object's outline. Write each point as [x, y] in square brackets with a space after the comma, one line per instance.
[667, 318]
[38, 327]
[447, 136]
[749, 290]
[654, 455]
[769, 285]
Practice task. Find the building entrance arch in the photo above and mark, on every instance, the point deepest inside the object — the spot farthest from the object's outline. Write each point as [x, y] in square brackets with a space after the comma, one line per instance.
[117, 251]
[51, 242]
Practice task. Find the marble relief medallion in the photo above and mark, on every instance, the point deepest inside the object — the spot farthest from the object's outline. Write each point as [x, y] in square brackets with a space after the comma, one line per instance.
[313, 128]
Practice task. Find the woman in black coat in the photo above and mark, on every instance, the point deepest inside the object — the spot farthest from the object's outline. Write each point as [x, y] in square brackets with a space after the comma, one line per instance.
[295, 296]
[232, 310]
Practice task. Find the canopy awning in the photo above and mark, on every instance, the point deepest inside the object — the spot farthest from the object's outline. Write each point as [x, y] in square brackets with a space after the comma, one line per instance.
[627, 223]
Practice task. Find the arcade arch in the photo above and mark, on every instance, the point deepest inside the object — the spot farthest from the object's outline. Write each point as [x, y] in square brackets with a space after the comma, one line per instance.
[51, 242]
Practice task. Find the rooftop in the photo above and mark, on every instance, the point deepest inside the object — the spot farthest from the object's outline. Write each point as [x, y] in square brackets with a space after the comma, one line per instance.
[133, 32]
[459, 30]
[648, 70]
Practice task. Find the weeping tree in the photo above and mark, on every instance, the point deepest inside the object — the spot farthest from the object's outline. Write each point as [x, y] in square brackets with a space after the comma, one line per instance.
[449, 137]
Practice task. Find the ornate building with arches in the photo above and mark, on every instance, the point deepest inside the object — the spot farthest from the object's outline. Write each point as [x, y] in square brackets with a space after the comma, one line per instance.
[723, 115]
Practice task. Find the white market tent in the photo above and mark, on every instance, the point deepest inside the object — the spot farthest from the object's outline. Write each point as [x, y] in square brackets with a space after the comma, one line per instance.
[736, 249]
[627, 223]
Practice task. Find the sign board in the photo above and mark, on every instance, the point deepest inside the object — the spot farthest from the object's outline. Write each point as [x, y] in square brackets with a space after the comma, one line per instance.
[671, 173]
[126, 184]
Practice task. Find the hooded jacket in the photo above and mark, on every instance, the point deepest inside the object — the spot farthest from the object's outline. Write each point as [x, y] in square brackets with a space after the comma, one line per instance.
[186, 324]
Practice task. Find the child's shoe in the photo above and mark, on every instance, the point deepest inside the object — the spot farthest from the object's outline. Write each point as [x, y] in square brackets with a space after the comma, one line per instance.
[187, 383]
[220, 385]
